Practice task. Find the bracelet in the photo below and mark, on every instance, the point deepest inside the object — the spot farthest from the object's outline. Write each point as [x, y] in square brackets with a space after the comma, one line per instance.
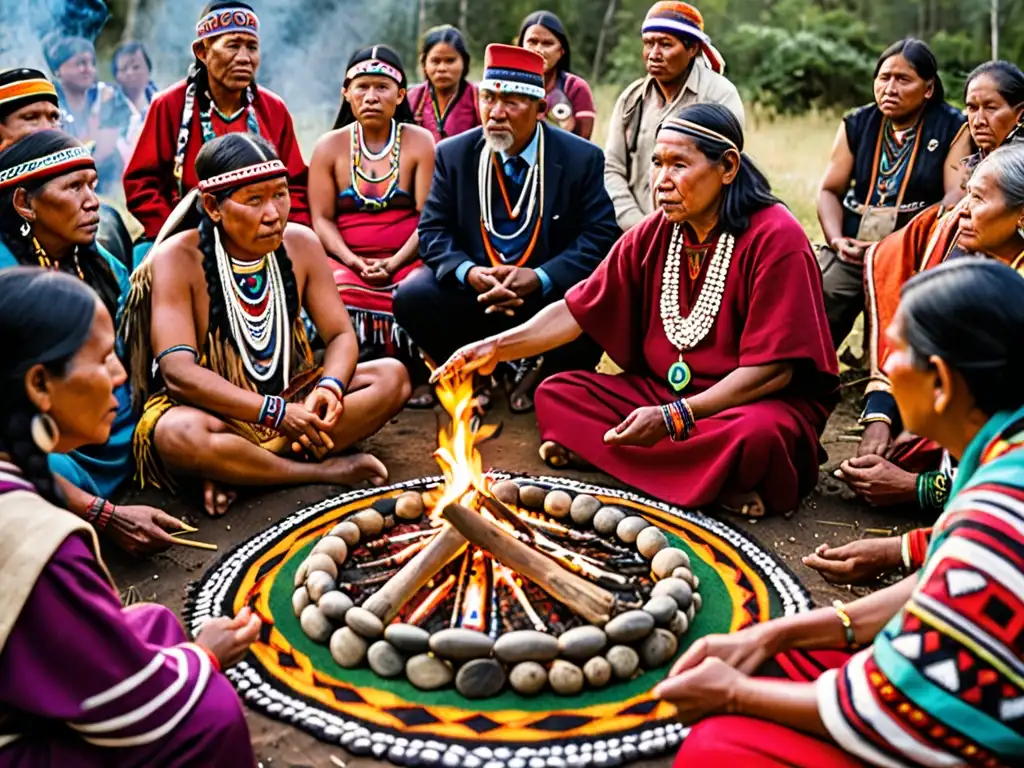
[176, 348]
[210, 655]
[93, 510]
[99, 513]
[333, 385]
[272, 411]
[914, 548]
[932, 490]
[908, 563]
[844, 617]
[679, 421]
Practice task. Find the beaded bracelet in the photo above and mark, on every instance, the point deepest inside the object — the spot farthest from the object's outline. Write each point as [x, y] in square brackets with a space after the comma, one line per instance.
[333, 385]
[99, 513]
[844, 617]
[272, 411]
[932, 490]
[914, 548]
[679, 419]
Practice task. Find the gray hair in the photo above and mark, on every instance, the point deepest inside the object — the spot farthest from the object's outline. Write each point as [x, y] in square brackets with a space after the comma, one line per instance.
[1007, 163]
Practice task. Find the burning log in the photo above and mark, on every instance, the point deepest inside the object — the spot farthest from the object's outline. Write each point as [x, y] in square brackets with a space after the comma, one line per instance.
[386, 602]
[579, 595]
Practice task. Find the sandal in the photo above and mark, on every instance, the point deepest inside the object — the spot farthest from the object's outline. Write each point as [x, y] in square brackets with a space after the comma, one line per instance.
[519, 386]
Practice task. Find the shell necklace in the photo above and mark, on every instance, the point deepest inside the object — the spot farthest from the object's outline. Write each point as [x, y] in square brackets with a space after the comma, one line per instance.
[685, 333]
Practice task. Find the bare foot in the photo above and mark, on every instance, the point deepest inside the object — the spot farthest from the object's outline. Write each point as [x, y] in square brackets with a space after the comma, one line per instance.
[557, 456]
[217, 500]
[422, 397]
[746, 504]
[353, 469]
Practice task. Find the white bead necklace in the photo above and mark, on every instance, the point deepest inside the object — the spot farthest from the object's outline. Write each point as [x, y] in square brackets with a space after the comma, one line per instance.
[365, 150]
[533, 192]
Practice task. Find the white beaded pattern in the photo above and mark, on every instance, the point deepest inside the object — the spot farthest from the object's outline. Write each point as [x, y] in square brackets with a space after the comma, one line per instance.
[687, 332]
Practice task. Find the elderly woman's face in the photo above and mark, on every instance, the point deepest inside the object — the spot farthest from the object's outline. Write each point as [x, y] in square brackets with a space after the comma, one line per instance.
[988, 225]
[989, 117]
[67, 208]
[253, 217]
[687, 186]
[899, 91]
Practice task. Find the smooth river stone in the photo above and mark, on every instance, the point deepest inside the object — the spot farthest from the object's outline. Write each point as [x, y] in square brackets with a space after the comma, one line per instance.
[598, 671]
[427, 672]
[315, 624]
[407, 638]
[583, 509]
[526, 645]
[677, 589]
[385, 660]
[557, 504]
[629, 626]
[658, 649]
[607, 520]
[480, 679]
[698, 601]
[364, 623]
[348, 532]
[318, 584]
[334, 546]
[651, 541]
[663, 608]
[528, 678]
[370, 522]
[532, 496]
[322, 562]
[409, 506]
[680, 623]
[507, 492]
[461, 644]
[565, 678]
[347, 648]
[582, 642]
[300, 574]
[624, 661]
[629, 528]
[667, 560]
[300, 599]
[334, 605]
[686, 575]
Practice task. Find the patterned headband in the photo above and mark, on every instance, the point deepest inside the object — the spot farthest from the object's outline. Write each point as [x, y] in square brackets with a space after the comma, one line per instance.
[693, 129]
[374, 67]
[225, 20]
[244, 176]
[24, 89]
[56, 164]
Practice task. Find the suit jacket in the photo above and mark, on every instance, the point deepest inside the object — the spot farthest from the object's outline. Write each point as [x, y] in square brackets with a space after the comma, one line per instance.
[579, 220]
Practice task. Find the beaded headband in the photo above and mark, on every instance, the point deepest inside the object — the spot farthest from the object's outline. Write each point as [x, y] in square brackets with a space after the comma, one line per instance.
[691, 128]
[374, 67]
[244, 176]
[500, 85]
[26, 88]
[225, 20]
[56, 164]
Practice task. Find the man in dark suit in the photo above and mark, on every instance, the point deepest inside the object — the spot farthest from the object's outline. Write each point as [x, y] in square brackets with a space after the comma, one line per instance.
[517, 215]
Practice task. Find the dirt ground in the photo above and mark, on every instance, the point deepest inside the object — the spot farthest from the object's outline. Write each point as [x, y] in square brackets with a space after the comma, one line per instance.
[405, 446]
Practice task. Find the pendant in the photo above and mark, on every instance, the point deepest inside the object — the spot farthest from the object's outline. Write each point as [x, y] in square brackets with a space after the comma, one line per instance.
[679, 376]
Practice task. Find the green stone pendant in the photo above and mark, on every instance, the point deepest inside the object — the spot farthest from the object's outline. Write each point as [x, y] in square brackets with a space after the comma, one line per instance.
[679, 376]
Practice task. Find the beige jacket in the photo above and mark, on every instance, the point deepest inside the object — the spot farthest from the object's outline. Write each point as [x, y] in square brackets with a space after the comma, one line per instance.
[627, 173]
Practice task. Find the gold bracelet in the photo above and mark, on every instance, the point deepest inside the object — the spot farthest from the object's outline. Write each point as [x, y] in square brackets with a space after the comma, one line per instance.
[844, 617]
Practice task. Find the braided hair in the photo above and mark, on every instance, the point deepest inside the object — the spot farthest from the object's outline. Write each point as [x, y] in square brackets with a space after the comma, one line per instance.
[95, 268]
[223, 155]
[34, 335]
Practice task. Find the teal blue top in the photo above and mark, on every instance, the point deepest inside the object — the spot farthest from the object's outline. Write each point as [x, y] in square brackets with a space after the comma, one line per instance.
[98, 469]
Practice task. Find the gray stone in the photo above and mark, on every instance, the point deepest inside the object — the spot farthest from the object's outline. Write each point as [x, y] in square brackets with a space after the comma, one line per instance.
[582, 642]
[334, 546]
[557, 504]
[407, 638]
[428, 672]
[300, 574]
[361, 746]
[663, 608]
[370, 522]
[409, 505]
[507, 492]
[677, 589]
[691, 612]
[364, 623]
[651, 541]
[658, 649]
[597, 671]
[528, 678]
[385, 660]
[526, 645]
[300, 599]
[583, 509]
[319, 583]
[624, 661]
[685, 574]
[322, 562]
[517, 762]
[348, 532]
[565, 678]
[698, 601]
[629, 626]
[315, 624]
[532, 496]
[607, 520]
[680, 624]
[347, 648]
[334, 605]
[461, 644]
[629, 528]
[667, 560]
[480, 679]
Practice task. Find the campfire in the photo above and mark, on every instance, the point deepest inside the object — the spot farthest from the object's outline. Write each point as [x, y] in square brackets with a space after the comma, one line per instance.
[489, 582]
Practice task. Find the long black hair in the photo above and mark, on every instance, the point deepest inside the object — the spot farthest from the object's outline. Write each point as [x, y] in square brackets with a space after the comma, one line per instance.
[95, 268]
[750, 191]
[921, 60]
[554, 25]
[233, 152]
[449, 35]
[970, 312]
[1006, 75]
[403, 113]
[45, 318]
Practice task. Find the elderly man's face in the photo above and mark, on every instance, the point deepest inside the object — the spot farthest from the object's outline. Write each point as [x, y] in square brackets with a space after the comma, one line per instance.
[666, 57]
[509, 119]
[32, 118]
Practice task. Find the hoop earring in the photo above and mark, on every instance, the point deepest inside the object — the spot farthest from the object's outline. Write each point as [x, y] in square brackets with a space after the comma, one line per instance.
[45, 432]
[26, 229]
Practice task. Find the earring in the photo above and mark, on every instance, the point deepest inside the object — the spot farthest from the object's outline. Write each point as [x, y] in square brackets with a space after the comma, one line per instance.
[26, 229]
[45, 432]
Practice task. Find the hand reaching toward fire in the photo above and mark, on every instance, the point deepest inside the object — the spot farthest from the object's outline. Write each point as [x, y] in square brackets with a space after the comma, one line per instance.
[480, 357]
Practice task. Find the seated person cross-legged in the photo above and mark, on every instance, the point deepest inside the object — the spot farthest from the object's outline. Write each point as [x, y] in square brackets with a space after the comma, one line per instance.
[716, 298]
[517, 215]
[242, 403]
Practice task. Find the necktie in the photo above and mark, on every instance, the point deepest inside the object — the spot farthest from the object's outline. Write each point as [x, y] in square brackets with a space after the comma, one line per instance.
[515, 169]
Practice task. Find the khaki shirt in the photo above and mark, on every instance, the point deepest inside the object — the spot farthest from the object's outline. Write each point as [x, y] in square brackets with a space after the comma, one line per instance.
[627, 175]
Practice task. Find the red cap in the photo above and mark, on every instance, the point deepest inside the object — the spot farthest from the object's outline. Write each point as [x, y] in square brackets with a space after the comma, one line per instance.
[512, 69]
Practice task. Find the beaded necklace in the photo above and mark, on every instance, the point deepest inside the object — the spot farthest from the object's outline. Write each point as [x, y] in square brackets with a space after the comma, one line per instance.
[47, 263]
[895, 158]
[252, 125]
[532, 195]
[359, 151]
[685, 333]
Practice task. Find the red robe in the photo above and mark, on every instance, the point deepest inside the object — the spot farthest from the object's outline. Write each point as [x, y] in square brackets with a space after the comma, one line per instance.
[150, 188]
[772, 311]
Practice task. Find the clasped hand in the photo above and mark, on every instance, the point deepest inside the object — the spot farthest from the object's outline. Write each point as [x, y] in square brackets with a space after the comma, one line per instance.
[502, 288]
[309, 424]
